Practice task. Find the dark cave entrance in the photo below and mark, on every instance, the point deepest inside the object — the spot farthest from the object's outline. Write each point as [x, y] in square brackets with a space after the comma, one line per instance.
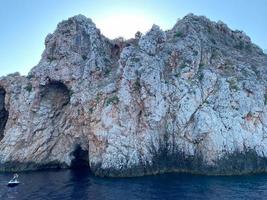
[80, 158]
[3, 112]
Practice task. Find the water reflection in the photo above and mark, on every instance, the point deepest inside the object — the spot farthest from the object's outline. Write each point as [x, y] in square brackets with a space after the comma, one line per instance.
[80, 184]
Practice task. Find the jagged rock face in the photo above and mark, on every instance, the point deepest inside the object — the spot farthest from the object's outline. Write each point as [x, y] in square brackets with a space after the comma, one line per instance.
[191, 99]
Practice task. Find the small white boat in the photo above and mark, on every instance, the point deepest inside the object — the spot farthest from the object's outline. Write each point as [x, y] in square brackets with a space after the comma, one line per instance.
[14, 181]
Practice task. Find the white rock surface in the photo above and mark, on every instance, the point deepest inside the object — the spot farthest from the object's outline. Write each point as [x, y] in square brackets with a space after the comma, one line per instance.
[189, 99]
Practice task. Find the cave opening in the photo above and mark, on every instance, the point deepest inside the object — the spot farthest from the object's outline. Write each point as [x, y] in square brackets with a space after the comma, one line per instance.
[80, 158]
[56, 94]
[3, 112]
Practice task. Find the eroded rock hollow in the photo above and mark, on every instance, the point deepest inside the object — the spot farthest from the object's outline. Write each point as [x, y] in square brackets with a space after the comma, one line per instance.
[190, 99]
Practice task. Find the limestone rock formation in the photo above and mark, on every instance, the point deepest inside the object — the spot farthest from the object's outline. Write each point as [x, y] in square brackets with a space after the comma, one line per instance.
[190, 99]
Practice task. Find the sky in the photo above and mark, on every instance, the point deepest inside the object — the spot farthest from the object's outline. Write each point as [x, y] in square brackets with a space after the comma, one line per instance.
[25, 23]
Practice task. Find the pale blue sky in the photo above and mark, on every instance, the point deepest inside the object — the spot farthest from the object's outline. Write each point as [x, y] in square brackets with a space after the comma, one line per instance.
[25, 23]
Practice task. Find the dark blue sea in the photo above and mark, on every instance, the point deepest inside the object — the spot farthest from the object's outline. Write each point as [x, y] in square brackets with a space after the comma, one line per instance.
[81, 184]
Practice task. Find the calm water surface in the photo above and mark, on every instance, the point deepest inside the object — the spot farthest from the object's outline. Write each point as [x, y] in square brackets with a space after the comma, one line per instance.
[81, 184]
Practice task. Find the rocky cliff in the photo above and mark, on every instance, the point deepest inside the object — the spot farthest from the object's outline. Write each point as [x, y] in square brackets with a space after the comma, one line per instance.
[190, 99]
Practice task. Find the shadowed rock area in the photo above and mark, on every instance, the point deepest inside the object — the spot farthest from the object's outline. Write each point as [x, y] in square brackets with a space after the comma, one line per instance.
[54, 96]
[3, 112]
[190, 99]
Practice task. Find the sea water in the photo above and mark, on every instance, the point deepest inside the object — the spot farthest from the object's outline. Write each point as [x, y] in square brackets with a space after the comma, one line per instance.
[81, 184]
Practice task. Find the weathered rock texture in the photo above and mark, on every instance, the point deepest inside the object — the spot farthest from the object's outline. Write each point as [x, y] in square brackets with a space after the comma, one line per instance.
[191, 99]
